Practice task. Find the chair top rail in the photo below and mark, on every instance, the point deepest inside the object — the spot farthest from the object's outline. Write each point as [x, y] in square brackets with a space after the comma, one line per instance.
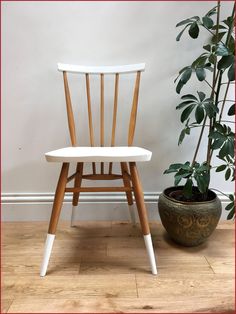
[130, 68]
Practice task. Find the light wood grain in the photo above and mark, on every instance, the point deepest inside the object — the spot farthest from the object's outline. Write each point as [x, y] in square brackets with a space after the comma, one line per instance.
[184, 284]
[77, 183]
[102, 267]
[133, 115]
[126, 180]
[69, 109]
[222, 265]
[67, 287]
[58, 199]
[90, 118]
[88, 304]
[113, 134]
[139, 198]
[99, 189]
[5, 304]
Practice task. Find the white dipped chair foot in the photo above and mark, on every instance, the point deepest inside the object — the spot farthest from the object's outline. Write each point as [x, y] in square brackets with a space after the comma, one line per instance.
[74, 208]
[47, 254]
[150, 252]
[132, 214]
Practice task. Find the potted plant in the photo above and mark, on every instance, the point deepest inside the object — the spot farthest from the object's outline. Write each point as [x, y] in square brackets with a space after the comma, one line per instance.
[191, 212]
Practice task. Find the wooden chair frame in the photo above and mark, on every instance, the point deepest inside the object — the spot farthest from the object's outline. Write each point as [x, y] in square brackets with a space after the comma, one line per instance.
[129, 173]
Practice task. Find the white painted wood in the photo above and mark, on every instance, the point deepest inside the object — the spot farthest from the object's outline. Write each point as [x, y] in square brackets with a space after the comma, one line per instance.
[47, 254]
[99, 154]
[74, 208]
[132, 214]
[150, 252]
[130, 68]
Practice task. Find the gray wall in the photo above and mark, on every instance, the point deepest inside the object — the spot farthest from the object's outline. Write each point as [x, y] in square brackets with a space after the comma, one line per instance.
[35, 37]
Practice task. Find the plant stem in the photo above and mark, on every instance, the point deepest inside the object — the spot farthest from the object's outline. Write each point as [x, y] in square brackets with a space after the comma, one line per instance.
[199, 141]
[227, 100]
[226, 121]
[220, 192]
[212, 32]
[224, 101]
[208, 83]
[214, 80]
[210, 151]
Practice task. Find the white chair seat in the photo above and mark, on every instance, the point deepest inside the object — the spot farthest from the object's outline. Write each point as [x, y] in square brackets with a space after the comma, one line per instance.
[99, 154]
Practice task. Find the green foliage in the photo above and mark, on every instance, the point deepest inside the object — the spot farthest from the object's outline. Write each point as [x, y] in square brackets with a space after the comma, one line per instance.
[192, 173]
[204, 109]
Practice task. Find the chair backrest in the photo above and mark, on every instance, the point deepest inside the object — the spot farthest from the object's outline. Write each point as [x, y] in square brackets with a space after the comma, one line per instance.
[101, 71]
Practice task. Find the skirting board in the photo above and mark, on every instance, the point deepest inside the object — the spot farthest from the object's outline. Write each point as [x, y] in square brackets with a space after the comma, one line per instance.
[92, 206]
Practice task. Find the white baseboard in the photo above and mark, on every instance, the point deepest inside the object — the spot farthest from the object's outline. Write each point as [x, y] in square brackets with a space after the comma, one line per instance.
[93, 206]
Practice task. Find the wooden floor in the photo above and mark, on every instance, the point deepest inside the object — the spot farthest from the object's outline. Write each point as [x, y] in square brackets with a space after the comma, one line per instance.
[102, 267]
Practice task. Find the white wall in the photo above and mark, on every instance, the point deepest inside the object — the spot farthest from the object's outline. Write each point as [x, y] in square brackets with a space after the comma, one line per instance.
[36, 35]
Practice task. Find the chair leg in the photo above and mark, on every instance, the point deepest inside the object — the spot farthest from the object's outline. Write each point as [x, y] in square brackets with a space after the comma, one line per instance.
[77, 184]
[126, 180]
[138, 193]
[56, 209]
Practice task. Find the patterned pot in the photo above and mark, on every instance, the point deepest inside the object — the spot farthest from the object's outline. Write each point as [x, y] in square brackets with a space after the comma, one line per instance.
[189, 223]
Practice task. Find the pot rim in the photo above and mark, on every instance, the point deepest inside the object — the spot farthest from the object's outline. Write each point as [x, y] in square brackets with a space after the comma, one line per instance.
[187, 203]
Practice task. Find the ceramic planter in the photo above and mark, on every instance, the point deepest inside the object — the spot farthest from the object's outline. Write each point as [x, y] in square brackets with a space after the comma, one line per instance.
[189, 223]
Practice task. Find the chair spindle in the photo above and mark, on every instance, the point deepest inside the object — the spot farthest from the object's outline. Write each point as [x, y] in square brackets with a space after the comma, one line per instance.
[70, 115]
[114, 116]
[102, 118]
[133, 115]
[90, 119]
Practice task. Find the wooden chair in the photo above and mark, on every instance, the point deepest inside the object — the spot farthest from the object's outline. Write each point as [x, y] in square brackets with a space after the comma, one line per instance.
[80, 155]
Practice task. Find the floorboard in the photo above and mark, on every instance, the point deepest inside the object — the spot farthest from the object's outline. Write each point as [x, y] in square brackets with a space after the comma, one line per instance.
[102, 267]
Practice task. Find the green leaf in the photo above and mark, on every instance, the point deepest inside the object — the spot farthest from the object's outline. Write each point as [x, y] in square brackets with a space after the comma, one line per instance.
[231, 214]
[193, 30]
[225, 62]
[201, 74]
[177, 179]
[221, 50]
[229, 206]
[200, 61]
[231, 111]
[216, 135]
[231, 197]
[181, 33]
[227, 149]
[184, 22]
[179, 86]
[207, 47]
[219, 127]
[201, 183]
[201, 95]
[217, 144]
[211, 109]
[212, 58]
[221, 168]
[186, 75]
[215, 39]
[227, 174]
[231, 73]
[207, 22]
[189, 96]
[219, 27]
[175, 166]
[181, 137]
[186, 113]
[212, 11]
[231, 45]
[187, 190]
[199, 114]
[184, 103]
[229, 21]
